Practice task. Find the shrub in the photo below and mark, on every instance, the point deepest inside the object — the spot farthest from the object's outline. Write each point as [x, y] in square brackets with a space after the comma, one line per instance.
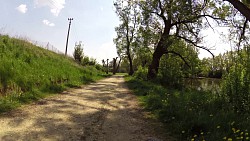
[141, 73]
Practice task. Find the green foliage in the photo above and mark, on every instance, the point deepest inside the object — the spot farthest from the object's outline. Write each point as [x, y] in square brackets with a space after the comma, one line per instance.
[78, 52]
[191, 114]
[173, 68]
[88, 61]
[28, 72]
[141, 73]
[236, 84]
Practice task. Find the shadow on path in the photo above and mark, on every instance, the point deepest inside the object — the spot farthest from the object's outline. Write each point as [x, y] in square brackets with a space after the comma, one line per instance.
[103, 111]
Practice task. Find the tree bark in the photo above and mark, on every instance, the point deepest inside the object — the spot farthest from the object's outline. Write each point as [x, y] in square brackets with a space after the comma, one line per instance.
[131, 70]
[114, 65]
[244, 10]
[154, 66]
[159, 51]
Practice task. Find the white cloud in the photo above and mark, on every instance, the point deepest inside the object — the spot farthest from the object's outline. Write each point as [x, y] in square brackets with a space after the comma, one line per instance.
[22, 8]
[48, 23]
[55, 5]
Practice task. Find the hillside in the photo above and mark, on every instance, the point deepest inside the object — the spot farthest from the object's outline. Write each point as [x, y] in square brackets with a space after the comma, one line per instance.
[29, 72]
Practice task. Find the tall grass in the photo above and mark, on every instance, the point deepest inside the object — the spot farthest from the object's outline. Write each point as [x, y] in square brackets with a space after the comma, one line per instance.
[191, 114]
[28, 72]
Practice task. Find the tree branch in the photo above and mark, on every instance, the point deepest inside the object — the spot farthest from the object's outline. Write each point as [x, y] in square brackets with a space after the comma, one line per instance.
[242, 33]
[193, 43]
[195, 18]
[179, 55]
[244, 10]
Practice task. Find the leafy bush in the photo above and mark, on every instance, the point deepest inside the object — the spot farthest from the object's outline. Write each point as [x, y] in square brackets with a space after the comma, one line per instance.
[78, 52]
[236, 88]
[141, 73]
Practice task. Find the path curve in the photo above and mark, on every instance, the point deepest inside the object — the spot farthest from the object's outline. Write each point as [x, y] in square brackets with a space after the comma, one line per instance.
[102, 111]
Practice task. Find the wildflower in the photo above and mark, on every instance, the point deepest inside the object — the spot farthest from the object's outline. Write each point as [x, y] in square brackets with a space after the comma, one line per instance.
[195, 136]
[218, 126]
[234, 130]
[192, 139]
[247, 138]
[246, 134]
[211, 115]
[229, 139]
[224, 138]
[182, 132]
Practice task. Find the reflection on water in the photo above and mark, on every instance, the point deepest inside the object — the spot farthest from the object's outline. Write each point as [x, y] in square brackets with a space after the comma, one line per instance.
[206, 84]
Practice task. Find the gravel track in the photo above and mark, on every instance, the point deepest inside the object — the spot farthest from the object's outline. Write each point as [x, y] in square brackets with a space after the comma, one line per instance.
[102, 111]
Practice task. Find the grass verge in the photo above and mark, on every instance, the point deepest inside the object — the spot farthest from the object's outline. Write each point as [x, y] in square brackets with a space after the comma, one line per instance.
[29, 73]
[190, 114]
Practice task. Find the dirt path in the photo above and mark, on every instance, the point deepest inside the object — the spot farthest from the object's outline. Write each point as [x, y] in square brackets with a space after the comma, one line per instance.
[103, 111]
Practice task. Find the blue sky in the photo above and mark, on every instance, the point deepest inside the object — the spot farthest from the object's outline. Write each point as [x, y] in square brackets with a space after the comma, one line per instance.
[94, 22]
[47, 21]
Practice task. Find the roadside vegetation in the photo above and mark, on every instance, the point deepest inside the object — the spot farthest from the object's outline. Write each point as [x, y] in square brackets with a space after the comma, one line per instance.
[29, 72]
[159, 42]
[196, 114]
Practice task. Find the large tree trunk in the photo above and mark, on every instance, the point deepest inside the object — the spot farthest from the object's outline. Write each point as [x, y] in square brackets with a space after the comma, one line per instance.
[244, 10]
[159, 51]
[131, 70]
[154, 66]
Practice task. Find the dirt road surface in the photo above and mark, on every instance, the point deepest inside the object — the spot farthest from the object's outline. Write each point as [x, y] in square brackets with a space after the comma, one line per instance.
[102, 111]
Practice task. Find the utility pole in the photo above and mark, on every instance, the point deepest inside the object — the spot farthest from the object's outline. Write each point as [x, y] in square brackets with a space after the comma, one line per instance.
[70, 19]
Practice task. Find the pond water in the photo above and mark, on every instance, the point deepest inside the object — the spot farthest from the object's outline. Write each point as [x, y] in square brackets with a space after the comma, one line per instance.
[206, 84]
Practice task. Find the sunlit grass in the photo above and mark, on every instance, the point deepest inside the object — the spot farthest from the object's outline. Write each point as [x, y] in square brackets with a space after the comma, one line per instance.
[191, 114]
[28, 73]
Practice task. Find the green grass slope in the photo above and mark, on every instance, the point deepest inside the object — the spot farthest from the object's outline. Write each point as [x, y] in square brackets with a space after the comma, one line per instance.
[28, 72]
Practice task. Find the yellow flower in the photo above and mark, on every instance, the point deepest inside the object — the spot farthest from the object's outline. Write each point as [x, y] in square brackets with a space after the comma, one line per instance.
[229, 139]
[195, 136]
[247, 138]
[218, 126]
[234, 130]
[224, 138]
[192, 139]
[246, 134]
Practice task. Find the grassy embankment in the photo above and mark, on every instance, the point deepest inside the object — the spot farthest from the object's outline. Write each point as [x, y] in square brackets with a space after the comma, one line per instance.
[192, 115]
[28, 73]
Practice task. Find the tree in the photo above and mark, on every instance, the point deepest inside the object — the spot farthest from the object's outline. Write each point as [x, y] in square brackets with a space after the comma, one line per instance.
[242, 6]
[128, 15]
[78, 52]
[173, 19]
